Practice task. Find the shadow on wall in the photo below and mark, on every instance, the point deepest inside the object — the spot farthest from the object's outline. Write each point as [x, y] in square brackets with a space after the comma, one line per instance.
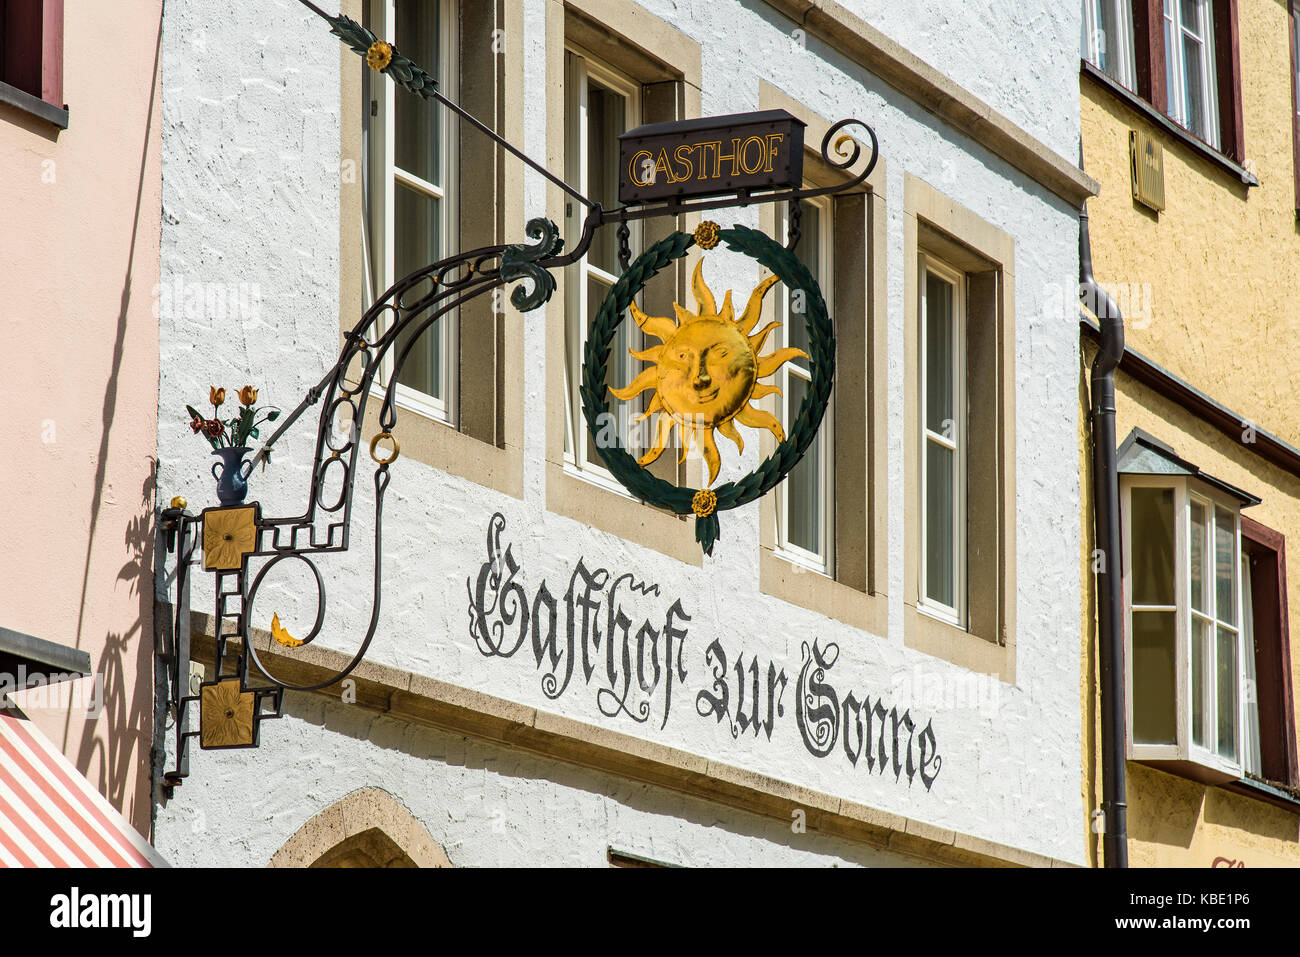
[1163, 808]
[119, 738]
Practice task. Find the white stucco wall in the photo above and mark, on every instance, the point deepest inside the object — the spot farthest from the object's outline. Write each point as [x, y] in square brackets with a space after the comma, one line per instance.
[1019, 56]
[250, 191]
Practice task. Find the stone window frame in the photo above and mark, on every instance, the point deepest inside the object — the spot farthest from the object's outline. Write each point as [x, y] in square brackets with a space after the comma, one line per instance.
[936, 225]
[857, 592]
[486, 444]
[667, 64]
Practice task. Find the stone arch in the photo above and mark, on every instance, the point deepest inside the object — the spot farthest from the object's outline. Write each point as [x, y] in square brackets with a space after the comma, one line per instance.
[367, 828]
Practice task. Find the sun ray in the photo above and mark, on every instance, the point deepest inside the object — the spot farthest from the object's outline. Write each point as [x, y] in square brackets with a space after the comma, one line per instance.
[709, 447]
[653, 354]
[658, 326]
[648, 379]
[762, 389]
[703, 295]
[754, 308]
[769, 364]
[728, 428]
[663, 428]
[728, 312]
[758, 419]
[757, 339]
[656, 405]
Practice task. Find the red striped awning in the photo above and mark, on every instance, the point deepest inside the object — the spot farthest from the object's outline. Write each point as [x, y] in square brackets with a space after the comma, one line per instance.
[50, 816]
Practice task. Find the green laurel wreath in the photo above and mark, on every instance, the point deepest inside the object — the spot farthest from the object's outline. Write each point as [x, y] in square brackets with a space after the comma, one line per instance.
[639, 481]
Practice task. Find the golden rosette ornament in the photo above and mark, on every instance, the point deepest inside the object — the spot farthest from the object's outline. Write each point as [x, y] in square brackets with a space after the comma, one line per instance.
[379, 55]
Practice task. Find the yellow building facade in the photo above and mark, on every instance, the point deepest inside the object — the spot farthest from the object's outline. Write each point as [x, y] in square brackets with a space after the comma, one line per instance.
[1189, 122]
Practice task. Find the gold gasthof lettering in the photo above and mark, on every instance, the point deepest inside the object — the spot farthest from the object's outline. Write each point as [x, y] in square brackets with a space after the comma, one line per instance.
[705, 160]
[706, 372]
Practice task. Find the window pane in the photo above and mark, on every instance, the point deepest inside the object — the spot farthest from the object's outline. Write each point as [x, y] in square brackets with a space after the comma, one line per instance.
[1173, 79]
[415, 245]
[1200, 580]
[1226, 670]
[809, 253]
[1194, 66]
[939, 346]
[606, 119]
[1153, 677]
[1152, 547]
[1225, 566]
[1108, 41]
[620, 369]
[940, 539]
[804, 486]
[1250, 757]
[1190, 19]
[1199, 702]
[415, 119]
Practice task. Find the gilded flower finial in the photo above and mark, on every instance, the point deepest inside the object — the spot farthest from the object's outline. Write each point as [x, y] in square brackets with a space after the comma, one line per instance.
[379, 55]
[704, 502]
[707, 234]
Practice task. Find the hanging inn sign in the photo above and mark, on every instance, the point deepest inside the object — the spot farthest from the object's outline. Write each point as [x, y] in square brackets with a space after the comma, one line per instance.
[704, 369]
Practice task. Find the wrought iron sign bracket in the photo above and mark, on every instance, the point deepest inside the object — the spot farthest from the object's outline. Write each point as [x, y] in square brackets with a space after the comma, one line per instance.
[241, 546]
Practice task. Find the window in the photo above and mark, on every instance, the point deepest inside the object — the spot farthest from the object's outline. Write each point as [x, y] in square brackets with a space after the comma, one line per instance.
[602, 104]
[412, 201]
[959, 447]
[31, 57]
[613, 65]
[1208, 663]
[1270, 749]
[806, 499]
[1108, 38]
[1191, 81]
[943, 440]
[1179, 56]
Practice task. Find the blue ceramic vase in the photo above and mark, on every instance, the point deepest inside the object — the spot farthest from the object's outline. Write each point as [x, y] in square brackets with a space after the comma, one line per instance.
[232, 474]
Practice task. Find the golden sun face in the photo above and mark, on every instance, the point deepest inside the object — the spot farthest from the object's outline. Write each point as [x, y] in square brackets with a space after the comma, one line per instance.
[706, 372]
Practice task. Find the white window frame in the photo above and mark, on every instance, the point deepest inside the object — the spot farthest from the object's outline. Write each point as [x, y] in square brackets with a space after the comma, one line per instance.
[1203, 32]
[582, 67]
[1124, 71]
[822, 562]
[954, 614]
[385, 175]
[1184, 749]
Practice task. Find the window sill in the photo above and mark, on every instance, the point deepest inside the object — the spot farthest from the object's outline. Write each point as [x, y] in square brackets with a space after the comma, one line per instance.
[923, 632]
[33, 105]
[780, 576]
[1268, 793]
[581, 496]
[1168, 126]
[1213, 777]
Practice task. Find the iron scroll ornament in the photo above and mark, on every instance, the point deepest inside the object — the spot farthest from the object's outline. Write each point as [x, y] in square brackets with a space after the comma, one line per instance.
[386, 333]
[595, 405]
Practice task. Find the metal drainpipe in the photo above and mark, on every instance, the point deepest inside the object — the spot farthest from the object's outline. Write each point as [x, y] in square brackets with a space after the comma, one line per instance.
[1105, 499]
